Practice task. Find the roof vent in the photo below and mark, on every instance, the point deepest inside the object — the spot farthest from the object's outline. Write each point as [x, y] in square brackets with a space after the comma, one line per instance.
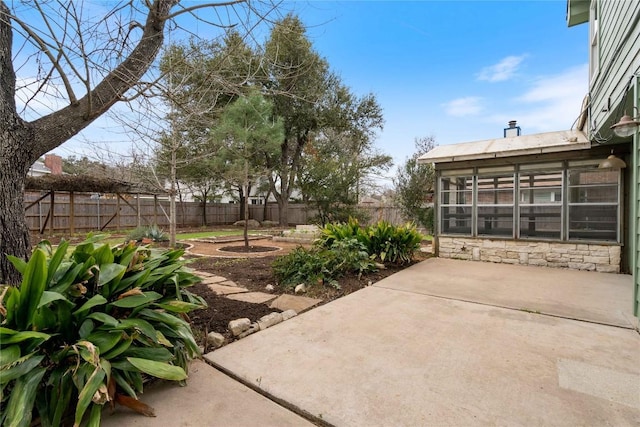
[512, 130]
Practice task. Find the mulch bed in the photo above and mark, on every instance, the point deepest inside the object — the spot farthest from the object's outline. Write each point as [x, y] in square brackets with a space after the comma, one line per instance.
[255, 274]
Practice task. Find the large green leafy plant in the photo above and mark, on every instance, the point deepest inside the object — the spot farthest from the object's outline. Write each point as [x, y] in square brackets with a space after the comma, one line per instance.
[384, 241]
[87, 328]
[393, 243]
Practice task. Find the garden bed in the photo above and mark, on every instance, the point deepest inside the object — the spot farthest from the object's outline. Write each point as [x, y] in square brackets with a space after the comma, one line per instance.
[255, 274]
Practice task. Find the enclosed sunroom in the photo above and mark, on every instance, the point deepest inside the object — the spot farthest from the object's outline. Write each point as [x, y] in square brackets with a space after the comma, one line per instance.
[549, 199]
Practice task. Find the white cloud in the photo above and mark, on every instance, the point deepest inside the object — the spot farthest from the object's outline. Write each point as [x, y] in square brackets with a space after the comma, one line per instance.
[467, 106]
[503, 70]
[552, 103]
[566, 84]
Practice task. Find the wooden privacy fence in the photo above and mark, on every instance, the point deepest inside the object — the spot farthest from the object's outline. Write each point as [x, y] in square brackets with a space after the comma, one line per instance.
[69, 212]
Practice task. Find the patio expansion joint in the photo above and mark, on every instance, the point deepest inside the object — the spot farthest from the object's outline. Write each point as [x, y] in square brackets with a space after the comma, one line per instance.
[522, 310]
[291, 407]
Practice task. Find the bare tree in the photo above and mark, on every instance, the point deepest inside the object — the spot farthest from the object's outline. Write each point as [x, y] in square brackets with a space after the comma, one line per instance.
[87, 58]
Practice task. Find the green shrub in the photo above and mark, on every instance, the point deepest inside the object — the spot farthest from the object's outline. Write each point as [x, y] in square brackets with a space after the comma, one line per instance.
[301, 266]
[86, 329]
[384, 241]
[152, 232]
[394, 244]
[351, 256]
[321, 265]
[333, 232]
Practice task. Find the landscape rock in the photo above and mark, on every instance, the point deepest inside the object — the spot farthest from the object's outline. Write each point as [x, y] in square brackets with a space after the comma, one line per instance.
[380, 266]
[270, 320]
[288, 314]
[301, 288]
[238, 326]
[268, 223]
[252, 223]
[269, 288]
[215, 339]
[253, 328]
[294, 302]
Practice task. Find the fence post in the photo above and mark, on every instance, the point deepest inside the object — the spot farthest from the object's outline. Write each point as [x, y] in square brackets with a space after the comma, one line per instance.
[138, 205]
[155, 209]
[117, 211]
[72, 214]
[52, 210]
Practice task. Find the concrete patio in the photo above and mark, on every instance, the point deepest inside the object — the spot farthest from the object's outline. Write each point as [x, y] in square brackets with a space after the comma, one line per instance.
[444, 342]
[447, 342]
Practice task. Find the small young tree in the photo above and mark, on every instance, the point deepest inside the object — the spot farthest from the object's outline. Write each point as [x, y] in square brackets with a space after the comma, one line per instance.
[414, 183]
[248, 133]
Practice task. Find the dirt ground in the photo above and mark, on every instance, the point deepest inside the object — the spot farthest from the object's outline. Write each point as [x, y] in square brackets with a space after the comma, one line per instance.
[254, 273]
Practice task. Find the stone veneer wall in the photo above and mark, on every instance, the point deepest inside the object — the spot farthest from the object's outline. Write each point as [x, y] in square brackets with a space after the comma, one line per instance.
[577, 256]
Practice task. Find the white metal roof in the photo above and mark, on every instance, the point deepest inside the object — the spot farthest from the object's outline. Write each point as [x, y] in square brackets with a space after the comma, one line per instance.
[550, 142]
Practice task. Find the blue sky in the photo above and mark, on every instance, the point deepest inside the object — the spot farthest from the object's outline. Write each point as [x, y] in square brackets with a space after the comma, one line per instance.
[457, 70]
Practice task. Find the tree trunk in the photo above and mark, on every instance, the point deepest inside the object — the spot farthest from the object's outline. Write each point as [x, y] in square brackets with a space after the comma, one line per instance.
[245, 190]
[283, 210]
[265, 208]
[23, 143]
[241, 198]
[14, 234]
[205, 194]
[172, 200]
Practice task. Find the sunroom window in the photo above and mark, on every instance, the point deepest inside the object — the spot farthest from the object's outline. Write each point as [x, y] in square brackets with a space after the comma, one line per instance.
[456, 203]
[495, 205]
[593, 204]
[540, 203]
[565, 201]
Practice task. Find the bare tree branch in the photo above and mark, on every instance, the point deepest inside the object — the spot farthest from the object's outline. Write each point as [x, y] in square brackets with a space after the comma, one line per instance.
[46, 49]
[202, 6]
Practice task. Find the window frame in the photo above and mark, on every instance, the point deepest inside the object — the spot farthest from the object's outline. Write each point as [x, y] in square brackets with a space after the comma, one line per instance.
[464, 174]
[494, 219]
[541, 170]
[617, 203]
[594, 40]
[562, 168]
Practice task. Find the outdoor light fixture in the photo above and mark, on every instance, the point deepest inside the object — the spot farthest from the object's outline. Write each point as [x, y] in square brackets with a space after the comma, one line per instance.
[627, 126]
[612, 162]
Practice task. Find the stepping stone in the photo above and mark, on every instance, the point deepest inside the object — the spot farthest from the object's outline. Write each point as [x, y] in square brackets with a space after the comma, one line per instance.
[253, 297]
[203, 274]
[229, 283]
[225, 290]
[214, 279]
[294, 302]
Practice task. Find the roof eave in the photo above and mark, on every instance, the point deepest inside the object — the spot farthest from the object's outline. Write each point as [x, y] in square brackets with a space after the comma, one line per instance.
[513, 153]
[577, 12]
[556, 142]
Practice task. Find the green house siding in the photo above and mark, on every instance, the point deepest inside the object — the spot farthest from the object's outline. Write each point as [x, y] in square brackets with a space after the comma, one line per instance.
[614, 61]
[635, 214]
